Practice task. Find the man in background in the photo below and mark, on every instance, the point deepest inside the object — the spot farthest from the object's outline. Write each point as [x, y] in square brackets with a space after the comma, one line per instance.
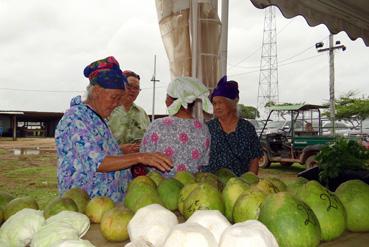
[128, 122]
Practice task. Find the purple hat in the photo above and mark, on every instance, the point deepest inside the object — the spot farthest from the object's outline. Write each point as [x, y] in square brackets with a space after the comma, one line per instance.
[228, 89]
[105, 73]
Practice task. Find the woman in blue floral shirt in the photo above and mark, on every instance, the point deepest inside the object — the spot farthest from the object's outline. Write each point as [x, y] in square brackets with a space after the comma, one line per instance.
[234, 142]
[88, 155]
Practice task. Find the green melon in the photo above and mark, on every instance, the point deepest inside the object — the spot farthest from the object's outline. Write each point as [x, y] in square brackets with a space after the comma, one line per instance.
[327, 208]
[354, 195]
[155, 176]
[114, 224]
[140, 195]
[247, 206]
[204, 197]
[250, 178]
[59, 204]
[18, 204]
[183, 194]
[233, 189]
[185, 177]
[97, 206]
[209, 178]
[266, 186]
[5, 198]
[142, 180]
[224, 174]
[79, 196]
[291, 221]
[294, 186]
[281, 186]
[169, 190]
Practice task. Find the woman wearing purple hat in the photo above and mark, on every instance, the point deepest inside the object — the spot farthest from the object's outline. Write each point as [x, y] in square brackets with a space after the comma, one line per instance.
[88, 155]
[234, 142]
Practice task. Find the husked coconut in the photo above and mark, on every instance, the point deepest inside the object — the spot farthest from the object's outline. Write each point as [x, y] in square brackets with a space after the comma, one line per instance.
[78, 221]
[212, 220]
[248, 233]
[21, 226]
[190, 235]
[139, 243]
[152, 223]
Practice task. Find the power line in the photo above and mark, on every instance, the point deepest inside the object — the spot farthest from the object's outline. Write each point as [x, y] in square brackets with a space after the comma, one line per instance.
[279, 65]
[252, 53]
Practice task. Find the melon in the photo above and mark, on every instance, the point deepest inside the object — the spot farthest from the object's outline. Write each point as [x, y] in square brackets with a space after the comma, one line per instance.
[291, 221]
[204, 196]
[233, 189]
[185, 177]
[79, 196]
[247, 206]
[224, 174]
[18, 204]
[327, 208]
[354, 195]
[97, 206]
[114, 224]
[169, 190]
[58, 205]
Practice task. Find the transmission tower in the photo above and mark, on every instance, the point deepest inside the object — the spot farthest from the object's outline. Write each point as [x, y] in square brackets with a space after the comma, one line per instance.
[268, 77]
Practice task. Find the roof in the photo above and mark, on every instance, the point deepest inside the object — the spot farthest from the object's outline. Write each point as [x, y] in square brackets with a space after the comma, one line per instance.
[296, 107]
[351, 16]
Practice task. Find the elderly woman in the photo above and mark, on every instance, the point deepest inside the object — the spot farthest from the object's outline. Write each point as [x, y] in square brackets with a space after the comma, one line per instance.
[180, 136]
[234, 142]
[88, 155]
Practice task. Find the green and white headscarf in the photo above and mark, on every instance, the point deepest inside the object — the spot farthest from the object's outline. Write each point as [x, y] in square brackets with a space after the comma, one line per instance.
[186, 90]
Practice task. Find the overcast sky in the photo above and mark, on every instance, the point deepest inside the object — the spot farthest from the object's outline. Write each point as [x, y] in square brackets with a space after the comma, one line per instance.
[45, 45]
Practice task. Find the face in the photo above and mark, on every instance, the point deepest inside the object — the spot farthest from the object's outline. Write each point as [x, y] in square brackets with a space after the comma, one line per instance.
[132, 88]
[107, 100]
[222, 106]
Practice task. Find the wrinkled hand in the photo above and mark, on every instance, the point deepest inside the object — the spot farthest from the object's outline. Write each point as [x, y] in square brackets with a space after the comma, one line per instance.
[157, 160]
[131, 148]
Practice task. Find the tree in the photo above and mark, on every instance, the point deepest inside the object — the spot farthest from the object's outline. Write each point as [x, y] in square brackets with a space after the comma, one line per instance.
[352, 109]
[248, 112]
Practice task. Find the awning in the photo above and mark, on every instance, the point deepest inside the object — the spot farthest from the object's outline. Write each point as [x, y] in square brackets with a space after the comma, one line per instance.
[351, 16]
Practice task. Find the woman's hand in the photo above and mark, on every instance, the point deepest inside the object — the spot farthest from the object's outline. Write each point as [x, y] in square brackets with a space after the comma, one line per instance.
[157, 160]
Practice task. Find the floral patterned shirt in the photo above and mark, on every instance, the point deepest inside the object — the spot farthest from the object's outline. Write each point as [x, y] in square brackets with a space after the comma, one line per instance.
[185, 141]
[234, 150]
[83, 139]
[128, 127]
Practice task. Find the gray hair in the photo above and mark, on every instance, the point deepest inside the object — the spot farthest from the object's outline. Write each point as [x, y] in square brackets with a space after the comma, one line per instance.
[88, 93]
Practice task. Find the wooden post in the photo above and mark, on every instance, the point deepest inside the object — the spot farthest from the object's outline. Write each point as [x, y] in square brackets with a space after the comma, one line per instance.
[14, 123]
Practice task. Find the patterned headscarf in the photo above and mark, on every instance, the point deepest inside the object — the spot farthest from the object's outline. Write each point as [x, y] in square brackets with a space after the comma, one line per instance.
[228, 89]
[105, 73]
[186, 90]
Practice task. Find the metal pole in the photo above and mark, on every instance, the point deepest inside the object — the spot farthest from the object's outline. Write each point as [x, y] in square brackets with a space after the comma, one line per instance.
[153, 90]
[194, 32]
[224, 38]
[331, 84]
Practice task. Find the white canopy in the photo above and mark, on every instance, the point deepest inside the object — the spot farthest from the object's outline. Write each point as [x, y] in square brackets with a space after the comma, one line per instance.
[351, 16]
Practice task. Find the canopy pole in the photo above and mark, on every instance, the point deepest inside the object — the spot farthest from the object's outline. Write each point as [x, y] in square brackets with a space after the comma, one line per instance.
[224, 39]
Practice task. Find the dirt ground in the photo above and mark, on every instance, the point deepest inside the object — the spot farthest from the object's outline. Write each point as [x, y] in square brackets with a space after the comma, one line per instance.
[41, 143]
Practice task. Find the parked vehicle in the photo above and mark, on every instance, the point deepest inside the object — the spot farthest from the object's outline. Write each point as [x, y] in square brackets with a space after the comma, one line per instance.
[341, 129]
[288, 142]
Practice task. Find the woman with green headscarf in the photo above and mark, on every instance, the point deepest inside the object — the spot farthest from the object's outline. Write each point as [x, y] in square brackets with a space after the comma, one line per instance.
[180, 136]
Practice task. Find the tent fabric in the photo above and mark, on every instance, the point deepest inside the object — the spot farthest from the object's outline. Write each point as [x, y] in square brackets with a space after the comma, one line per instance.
[351, 16]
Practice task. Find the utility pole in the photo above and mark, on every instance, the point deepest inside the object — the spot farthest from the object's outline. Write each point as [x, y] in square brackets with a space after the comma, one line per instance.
[154, 80]
[332, 101]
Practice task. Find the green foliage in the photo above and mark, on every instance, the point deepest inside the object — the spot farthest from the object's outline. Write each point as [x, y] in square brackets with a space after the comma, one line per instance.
[350, 108]
[248, 112]
[342, 155]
